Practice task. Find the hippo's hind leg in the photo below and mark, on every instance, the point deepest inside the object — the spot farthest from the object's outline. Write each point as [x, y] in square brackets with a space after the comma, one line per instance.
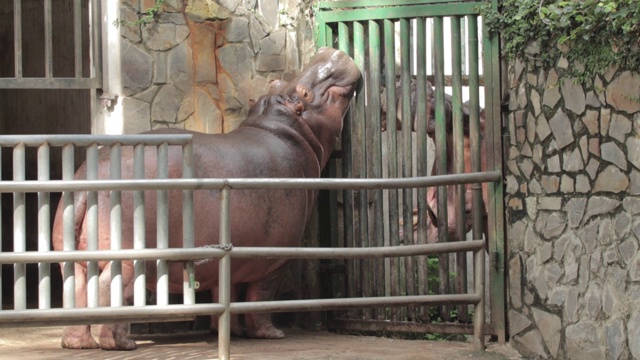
[79, 337]
[114, 336]
[260, 325]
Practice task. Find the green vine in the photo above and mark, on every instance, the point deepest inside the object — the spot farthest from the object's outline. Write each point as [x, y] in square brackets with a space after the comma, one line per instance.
[146, 16]
[593, 33]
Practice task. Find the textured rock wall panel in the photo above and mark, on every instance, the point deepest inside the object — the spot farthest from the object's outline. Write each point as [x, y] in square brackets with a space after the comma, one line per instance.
[199, 63]
[573, 199]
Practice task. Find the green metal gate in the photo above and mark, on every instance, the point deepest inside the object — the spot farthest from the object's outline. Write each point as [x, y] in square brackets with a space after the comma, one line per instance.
[402, 48]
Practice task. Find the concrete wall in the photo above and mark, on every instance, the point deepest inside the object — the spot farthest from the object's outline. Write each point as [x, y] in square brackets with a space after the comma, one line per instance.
[200, 63]
[573, 199]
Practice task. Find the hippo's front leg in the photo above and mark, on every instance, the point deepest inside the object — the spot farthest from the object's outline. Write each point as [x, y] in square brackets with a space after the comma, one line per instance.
[259, 325]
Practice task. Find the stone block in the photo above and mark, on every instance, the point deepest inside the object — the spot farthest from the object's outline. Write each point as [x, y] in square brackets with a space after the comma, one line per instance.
[515, 281]
[583, 185]
[517, 322]
[584, 341]
[573, 94]
[619, 89]
[236, 29]
[203, 40]
[619, 127]
[616, 339]
[572, 161]
[237, 61]
[611, 179]
[633, 150]
[543, 130]
[561, 128]
[592, 168]
[164, 36]
[550, 327]
[136, 115]
[180, 68]
[137, 68]
[531, 344]
[166, 104]
[599, 205]
[612, 153]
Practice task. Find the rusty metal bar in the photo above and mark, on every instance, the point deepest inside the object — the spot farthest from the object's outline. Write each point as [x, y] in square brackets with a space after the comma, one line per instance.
[92, 228]
[17, 37]
[392, 150]
[224, 282]
[408, 285]
[421, 156]
[460, 281]
[115, 199]
[139, 228]
[68, 227]
[491, 45]
[162, 227]
[348, 170]
[361, 218]
[77, 39]
[19, 230]
[478, 315]
[44, 229]
[374, 163]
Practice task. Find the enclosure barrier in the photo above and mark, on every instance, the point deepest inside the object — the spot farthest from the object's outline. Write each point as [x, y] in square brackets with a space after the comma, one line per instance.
[45, 315]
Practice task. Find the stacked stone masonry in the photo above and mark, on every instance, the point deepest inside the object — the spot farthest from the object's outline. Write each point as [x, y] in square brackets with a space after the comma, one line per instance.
[200, 63]
[573, 200]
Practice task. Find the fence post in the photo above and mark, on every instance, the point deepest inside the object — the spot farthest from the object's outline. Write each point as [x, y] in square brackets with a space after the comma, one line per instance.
[224, 283]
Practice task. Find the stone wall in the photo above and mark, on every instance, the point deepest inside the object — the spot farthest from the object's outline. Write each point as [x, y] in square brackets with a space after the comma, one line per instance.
[573, 199]
[198, 65]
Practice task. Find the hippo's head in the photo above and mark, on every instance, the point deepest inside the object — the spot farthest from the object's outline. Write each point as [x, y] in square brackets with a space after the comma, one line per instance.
[324, 88]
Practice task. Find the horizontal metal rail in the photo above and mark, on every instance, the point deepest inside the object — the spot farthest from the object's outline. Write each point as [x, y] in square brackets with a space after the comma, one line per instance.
[182, 254]
[100, 140]
[254, 183]
[42, 317]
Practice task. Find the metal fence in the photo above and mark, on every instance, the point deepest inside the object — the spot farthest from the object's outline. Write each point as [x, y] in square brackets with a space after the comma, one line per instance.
[20, 315]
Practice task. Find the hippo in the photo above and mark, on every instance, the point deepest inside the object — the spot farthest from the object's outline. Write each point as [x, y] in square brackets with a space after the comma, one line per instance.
[289, 133]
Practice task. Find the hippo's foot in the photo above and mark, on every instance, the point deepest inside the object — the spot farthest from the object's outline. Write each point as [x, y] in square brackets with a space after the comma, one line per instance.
[78, 337]
[114, 337]
[267, 331]
[259, 326]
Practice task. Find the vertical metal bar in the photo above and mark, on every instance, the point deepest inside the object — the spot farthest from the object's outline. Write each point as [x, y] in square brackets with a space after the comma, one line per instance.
[116, 225]
[77, 31]
[17, 37]
[321, 35]
[48, 52]
[458, 160]
[1, 237]
[422, 160]
[68, 228]
[19, 230]
[407, 154]
[494, 162]
[375, 161]
[474, 125]
[162, 286]
[441, 155]
[392, 151]
[188, 235]
[139, 230]
[360, 162]
[94, 25]
[92, 227]
[44, 229]
[348, 135]
[478, 315]
[224, 283]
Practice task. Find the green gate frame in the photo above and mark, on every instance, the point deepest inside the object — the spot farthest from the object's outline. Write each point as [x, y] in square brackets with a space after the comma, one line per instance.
[334, 21]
